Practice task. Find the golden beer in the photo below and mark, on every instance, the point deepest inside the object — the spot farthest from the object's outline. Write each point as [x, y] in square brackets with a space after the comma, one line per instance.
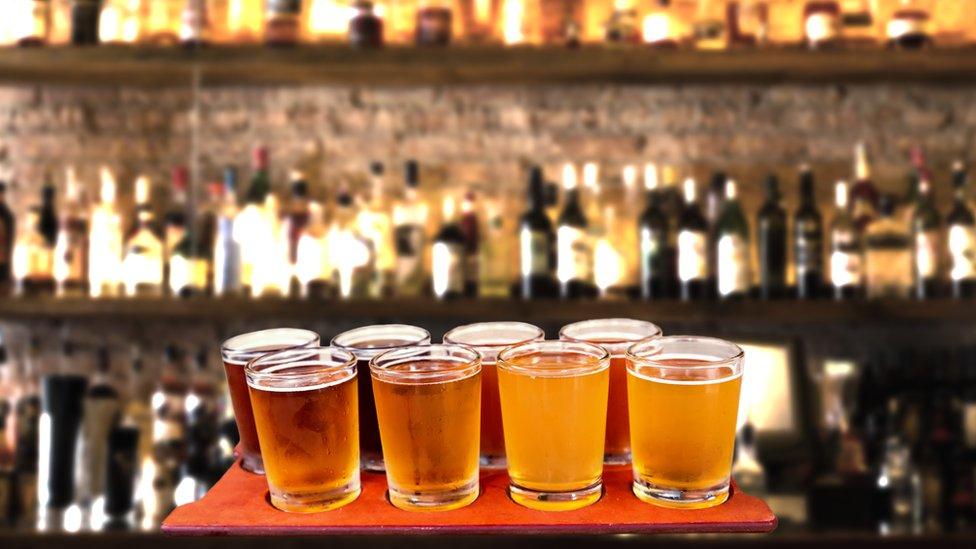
[305, 410]
[428, 403]
[554, 411]
[684, 400]
[615, 335]
[490, 338]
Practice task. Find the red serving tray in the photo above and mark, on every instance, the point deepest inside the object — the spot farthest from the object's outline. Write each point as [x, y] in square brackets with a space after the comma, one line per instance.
[238, 505]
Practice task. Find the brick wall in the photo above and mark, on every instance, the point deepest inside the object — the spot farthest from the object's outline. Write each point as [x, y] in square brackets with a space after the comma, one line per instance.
[482, 133]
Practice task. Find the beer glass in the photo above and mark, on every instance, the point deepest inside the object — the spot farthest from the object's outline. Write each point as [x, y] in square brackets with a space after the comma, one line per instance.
[428, 407]
[684, 399]
[554, 411]
[489, 338]
[237, 352]
[615, 335]
[366, 343]
[307, 419]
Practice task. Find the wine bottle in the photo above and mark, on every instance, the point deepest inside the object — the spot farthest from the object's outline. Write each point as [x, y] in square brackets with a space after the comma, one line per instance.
[771, 228]
[926, 243]
[574, 256]
[692, 247]
[808, 240]
[536, 243]
[732, 247]
[846, 255]
[962, 238]
[655, 273]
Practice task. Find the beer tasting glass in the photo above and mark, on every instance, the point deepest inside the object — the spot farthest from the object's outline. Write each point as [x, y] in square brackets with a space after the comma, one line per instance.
[489, 338]
[615, 335]
[428, 407]
[237, 352]
[554, 411]
[305, 411]
[684, 399]
[367, 342]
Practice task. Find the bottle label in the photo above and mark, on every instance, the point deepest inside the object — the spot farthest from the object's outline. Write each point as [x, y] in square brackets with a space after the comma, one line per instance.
[962, 250]
[651, 248]
[533, 247]
[692, 261]
[808, 250]
[447, 270]
[733, 264]
[926, 254]
[573, 256]
[845, 261]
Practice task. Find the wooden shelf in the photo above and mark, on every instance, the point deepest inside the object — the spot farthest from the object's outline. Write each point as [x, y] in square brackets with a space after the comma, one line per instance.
[219, 66]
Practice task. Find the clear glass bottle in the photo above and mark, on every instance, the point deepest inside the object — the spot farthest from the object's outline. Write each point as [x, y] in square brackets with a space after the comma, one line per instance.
[101, 409]
[887, 254]
[33, 258]
[709, 27]
[846, 254]
[375, 224]
[349, 251]
[71, 247]
[447, 263]
[864, 195]
[161, 22]
[227, 251]
[692, 246]
[313, 267]
[497, 253]
[142, 265]
[733, 274]
[38, 16]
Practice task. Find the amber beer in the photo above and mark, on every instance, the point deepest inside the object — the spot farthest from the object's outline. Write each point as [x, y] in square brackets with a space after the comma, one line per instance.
[236, 353]
[368, 342]
[428, 405]
[684, 400]
[554, 410]
[616, 335]
[305, 407]
[490, 338]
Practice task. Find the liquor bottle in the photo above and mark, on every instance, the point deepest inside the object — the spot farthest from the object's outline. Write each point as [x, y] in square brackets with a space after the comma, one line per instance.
[471, 229]
[808, 240]
[47, 223]
[121, 477]
[496, 252]
[909, 25]
[175, 222]
[656, 277]
[142, 266]
[365, 27]
[7, 236]
[692, 248]
[33, 261]
[926, 243]
[313, 268]
[593, 203]
[189, 266]
[732, 229]
[857, 23]
[36, 25]
[206, 229]
[203, 425]
[714, 199]
[296, 216]
[409, 221]
[552, 197]
[349, 252]
[374, 223]
[435, 21]
[887, 254]
[623, 25]
[105, 241]
[250, 230]
[195, 24]
[846, 257]
[447, 265]
[537, 243]
[771, 233]
[71, 247]
[864, 195]
[821, 23]
[101, 410]
[169, 435]
[281, 24]
[26, 435]
[226, 250]
[962, 237]
[625, 240]
[574, 256]
[708, 25]
[84, 22]
[138, 416]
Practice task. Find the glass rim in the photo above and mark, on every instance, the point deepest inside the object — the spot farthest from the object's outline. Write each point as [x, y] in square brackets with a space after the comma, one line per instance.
[451, 336]
[599, 354]
[311, 360]
[232, 352]
[598, 325]
[464, 363]
[422, 336]
[636, 354]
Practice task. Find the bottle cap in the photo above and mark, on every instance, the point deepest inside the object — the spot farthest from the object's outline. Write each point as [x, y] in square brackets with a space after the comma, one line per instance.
[181, 177]
[259, 157]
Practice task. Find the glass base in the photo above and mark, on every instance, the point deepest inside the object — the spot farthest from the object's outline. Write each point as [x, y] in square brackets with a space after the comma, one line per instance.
[374, 463]
[494, 462]
[681, 499]
[314, 502]
[252, 464]
[617, 459]
[435, 501]
[556, 501]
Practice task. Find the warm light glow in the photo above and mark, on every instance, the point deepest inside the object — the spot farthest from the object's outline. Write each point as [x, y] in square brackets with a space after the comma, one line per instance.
[766, 397]
[110, 24]
[107, 191]
[607, 265]
[657, 28]
[105, 241]
[142, 190]
[244, 19]
[482, 11]
[650, 176]
[264, 247]
[591, 175]
[513, 13]
[569, 176]
[311, 257]
[347, 253]
[329, 18]
[630, 177]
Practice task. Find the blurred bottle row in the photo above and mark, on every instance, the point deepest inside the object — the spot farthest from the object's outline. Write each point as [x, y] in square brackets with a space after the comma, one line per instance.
[597, 237]
[701, 24]
[86, 444]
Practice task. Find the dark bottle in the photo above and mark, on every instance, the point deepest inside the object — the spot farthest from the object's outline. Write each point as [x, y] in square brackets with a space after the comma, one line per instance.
[537, 243]
[62, 401]
[298, 214]
[84, 22]
[365, 28]
[714, 198]
[434, 23]
[962, 238]
[7, 233]
[260, 180]
[926, 243]
[692, 248]
[771, 228]
[471, 229]
[121, 474]
[203, 426]
[574, 258]
[656, 274]
[732, 248]
[47, 221]
[846, 254]
[447, 255]
[808, 240]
